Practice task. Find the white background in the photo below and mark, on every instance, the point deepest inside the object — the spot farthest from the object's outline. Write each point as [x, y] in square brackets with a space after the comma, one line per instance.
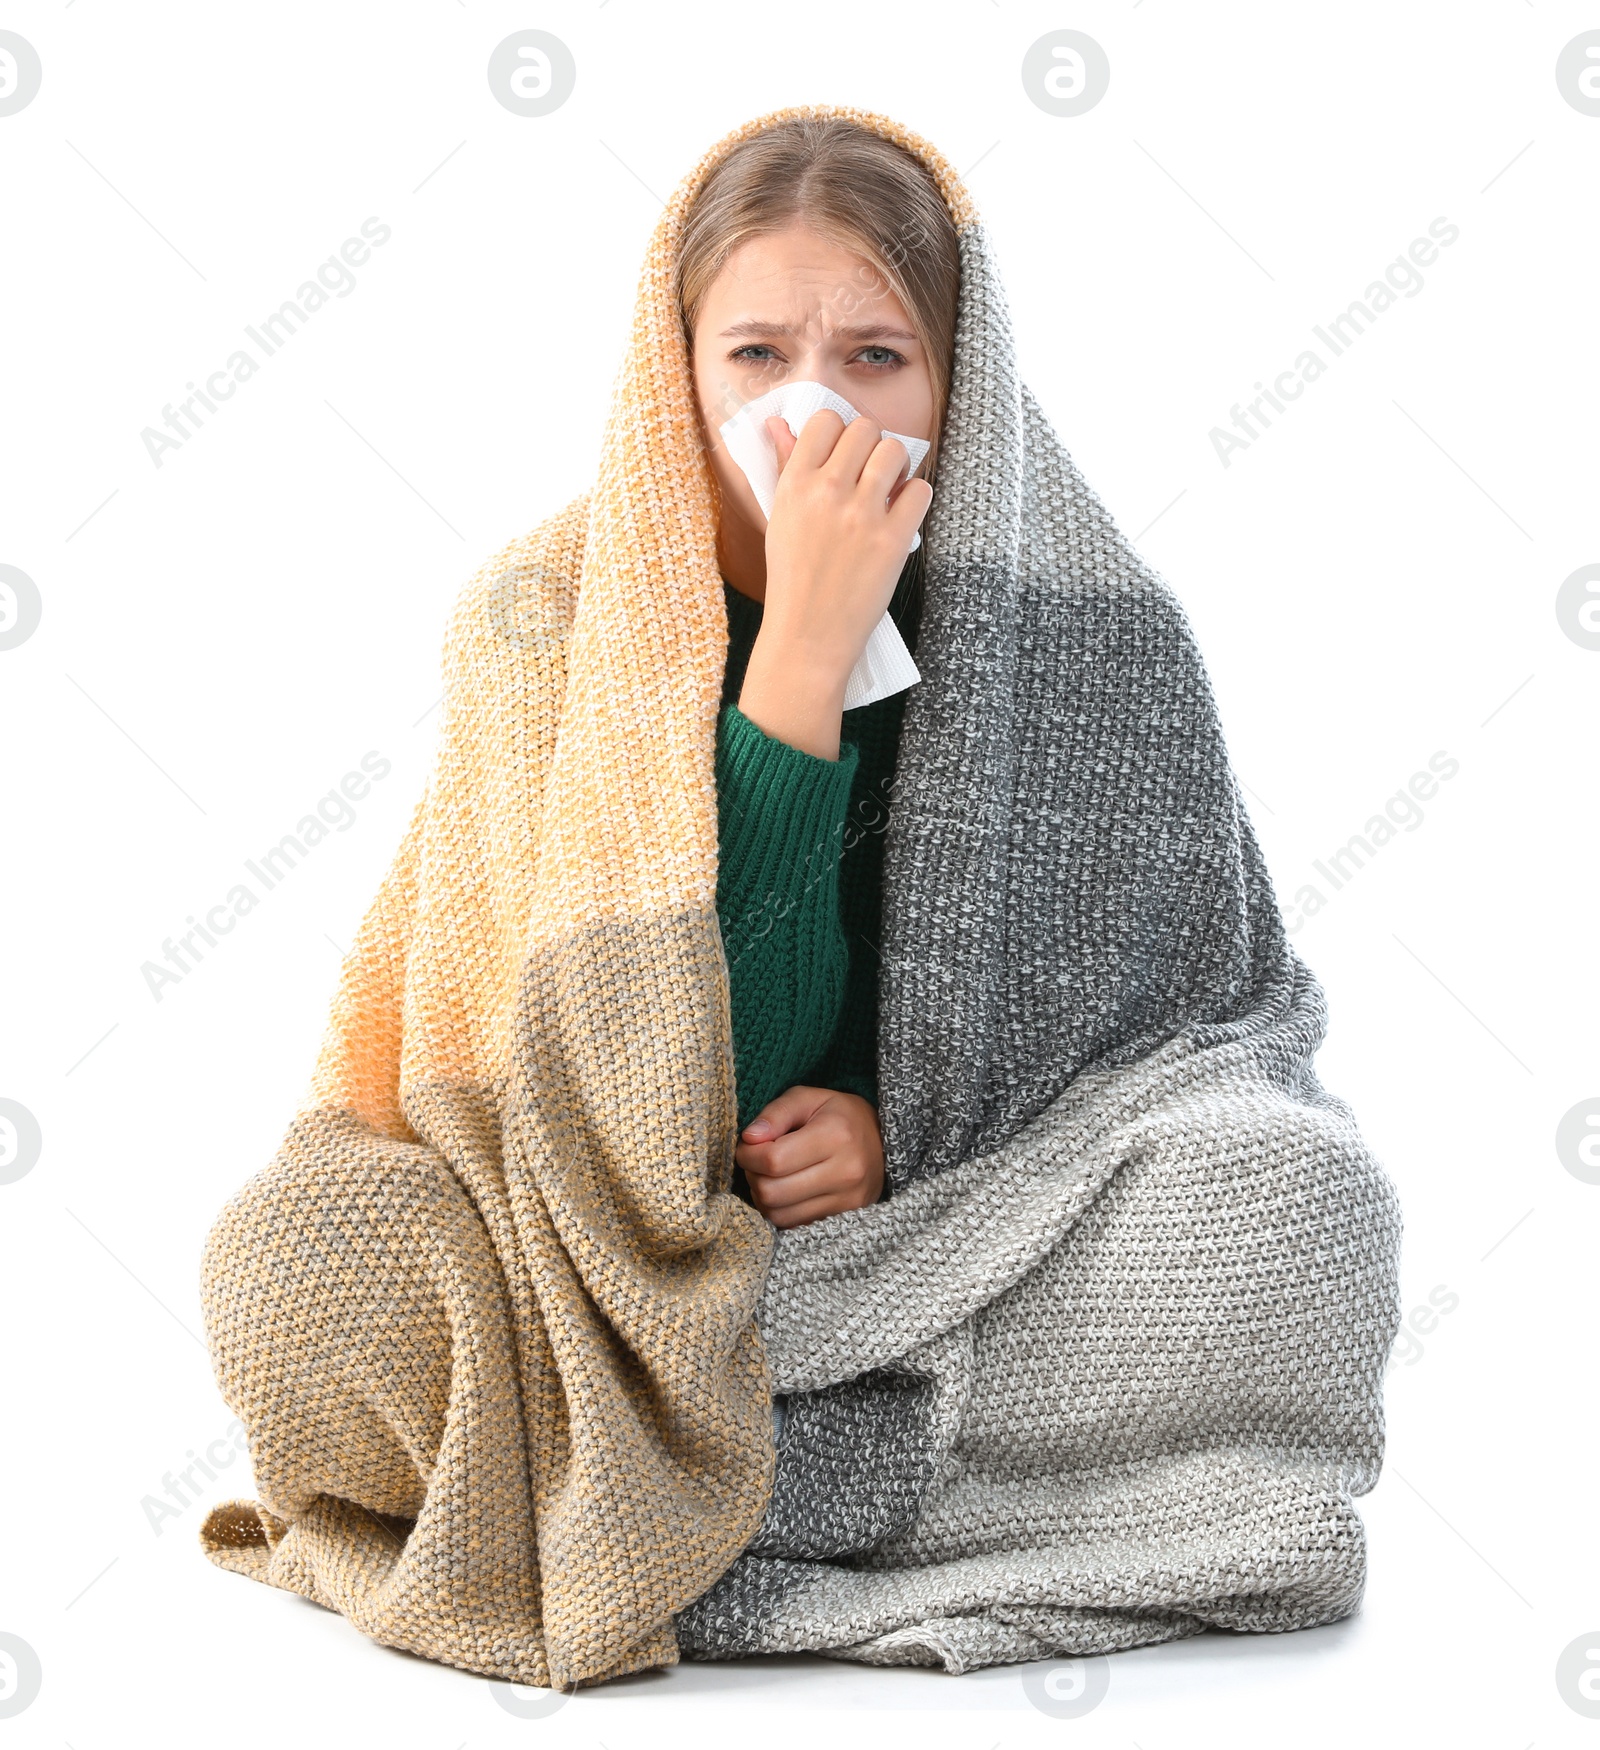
[223, 637]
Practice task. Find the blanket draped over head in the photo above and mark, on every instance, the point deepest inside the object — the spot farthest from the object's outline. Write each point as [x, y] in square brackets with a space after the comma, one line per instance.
[1104, 1366]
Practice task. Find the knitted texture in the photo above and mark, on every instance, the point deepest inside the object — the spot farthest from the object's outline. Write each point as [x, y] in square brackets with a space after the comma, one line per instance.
[781, 814]
[799, 891]
[1105, 1368]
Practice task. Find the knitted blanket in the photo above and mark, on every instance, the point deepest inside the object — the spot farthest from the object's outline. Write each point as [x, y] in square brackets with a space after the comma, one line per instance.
[1102, 1368]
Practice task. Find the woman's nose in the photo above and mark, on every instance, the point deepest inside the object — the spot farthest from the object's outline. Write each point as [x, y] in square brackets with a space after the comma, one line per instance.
[819, 366]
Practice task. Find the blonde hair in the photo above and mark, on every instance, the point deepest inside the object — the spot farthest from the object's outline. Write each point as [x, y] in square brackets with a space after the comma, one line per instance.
[852, 186]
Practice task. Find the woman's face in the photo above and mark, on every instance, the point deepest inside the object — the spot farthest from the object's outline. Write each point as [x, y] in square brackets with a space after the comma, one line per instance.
[794, 306]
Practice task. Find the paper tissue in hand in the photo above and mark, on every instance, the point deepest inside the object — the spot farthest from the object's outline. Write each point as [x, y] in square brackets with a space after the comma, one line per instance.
[885, 666]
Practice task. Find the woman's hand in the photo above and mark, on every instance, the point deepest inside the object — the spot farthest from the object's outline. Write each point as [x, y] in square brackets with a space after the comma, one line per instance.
[841, 527]
[812, 1152]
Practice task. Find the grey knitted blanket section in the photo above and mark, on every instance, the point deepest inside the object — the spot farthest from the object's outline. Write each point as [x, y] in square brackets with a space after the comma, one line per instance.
[1104, 1368]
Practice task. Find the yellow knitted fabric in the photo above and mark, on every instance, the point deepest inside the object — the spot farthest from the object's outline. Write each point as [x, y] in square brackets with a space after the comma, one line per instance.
[488, 1314]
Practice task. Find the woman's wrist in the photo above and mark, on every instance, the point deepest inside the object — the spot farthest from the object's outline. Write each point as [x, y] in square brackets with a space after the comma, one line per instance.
[795, 693]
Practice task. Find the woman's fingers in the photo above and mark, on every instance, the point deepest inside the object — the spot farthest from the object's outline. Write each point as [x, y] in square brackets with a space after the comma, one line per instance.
[832, 1161]
[798, 1215]
[852, 451]
[827, 443]
[857, 453]
[868, 460]
[792, 1108]
[910, 507]
[793, 1153]
[887, 462]
[778, 430]
[830, 1179]
[818, 438]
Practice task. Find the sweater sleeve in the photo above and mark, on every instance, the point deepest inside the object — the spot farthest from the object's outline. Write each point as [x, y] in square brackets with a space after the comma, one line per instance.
[860, 1081]
[851, 1060]
[781, 819]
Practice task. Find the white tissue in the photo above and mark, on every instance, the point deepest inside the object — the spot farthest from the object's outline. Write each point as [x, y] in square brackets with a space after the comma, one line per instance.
[885, 666]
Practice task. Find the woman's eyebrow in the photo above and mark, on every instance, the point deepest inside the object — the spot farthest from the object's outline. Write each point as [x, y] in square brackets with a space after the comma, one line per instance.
[752, 328]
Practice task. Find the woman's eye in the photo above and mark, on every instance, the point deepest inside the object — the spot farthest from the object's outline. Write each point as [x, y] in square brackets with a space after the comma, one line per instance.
[879, 357]
[756, 353]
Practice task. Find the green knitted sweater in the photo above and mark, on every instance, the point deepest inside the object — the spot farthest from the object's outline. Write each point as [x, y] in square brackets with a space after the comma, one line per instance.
[800, 890]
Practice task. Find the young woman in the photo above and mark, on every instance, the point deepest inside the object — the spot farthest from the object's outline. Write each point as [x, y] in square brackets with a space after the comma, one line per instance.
[816, 252]
[1075, 1282]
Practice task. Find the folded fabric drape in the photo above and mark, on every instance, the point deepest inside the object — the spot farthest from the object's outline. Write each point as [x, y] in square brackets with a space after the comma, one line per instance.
[1106, 1368]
